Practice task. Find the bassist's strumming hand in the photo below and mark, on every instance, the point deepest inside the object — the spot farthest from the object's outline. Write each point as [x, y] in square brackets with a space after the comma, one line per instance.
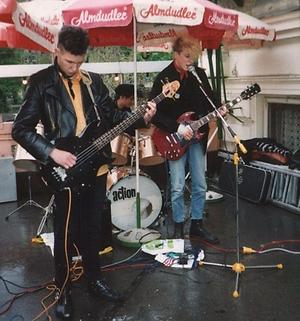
[63, 158]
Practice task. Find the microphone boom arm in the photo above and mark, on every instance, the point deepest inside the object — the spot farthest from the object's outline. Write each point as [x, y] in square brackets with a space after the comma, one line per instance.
[237, 141]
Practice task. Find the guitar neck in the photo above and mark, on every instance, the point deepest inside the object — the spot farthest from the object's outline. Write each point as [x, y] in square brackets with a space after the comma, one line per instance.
[195, 125]
[120, 128]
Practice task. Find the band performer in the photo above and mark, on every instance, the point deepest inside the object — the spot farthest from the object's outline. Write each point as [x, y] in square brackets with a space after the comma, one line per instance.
[124, 97]
[190, 98]
[61, 97]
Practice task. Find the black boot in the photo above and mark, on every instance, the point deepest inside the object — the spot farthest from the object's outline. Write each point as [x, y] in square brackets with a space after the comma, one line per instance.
[198, 230]
[100, 288]
[63, 309]
[178, 231]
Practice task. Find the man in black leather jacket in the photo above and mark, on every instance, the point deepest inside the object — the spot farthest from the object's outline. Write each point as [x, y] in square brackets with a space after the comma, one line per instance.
[59, 97]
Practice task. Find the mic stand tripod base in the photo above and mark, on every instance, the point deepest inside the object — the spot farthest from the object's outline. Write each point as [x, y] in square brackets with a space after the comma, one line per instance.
[136, 237]
[212, 196]
[238, 268]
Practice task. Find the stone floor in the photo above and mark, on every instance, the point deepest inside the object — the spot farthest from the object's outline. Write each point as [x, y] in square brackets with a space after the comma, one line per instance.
[154, 292]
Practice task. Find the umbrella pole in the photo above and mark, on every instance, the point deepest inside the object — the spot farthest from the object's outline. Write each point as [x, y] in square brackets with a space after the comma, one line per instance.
[137, 165]
[137, 236]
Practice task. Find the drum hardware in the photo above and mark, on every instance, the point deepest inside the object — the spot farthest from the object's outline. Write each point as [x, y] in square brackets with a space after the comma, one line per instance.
[26, 162]
[30, 202]
[48, 210]
[132, 155]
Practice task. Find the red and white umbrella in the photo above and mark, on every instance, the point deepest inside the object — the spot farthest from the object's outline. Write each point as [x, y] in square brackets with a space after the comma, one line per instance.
[11, 38]
[40, 21]
[251, 31]
[6, 9]
[112, 22]
[3, 35]
[158, 21]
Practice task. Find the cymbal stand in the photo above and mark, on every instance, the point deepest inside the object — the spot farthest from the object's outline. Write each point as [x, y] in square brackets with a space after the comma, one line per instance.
[30, 202]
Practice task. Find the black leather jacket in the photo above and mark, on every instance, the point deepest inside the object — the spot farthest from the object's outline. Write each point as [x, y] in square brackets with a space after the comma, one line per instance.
[46, 100]
[188, 98]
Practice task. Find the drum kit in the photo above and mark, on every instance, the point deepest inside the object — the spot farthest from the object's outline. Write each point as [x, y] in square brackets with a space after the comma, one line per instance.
[121, 181]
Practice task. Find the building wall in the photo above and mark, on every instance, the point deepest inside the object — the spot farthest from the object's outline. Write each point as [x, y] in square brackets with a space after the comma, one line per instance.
[275, 67]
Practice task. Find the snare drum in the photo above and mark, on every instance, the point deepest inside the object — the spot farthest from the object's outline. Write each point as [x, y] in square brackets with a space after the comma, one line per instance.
[122, 194]
[120, 147]
[148, 154]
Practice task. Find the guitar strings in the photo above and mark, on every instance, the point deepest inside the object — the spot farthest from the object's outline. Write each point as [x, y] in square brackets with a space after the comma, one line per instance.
[84, 155]
[97, 145]
[105, 138]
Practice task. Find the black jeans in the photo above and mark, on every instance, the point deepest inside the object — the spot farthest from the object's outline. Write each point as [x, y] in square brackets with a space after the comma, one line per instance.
[83, 228]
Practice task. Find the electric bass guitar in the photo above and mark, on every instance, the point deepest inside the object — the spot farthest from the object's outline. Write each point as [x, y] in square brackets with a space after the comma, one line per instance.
[172, 145]
[88, 148]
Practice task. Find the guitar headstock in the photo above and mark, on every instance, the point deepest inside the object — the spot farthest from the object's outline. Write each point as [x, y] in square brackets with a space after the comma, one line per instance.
[169, 89]
[250, 91]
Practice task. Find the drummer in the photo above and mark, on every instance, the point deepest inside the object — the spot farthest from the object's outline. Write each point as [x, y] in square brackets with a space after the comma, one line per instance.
[124, 100]
[124, 97]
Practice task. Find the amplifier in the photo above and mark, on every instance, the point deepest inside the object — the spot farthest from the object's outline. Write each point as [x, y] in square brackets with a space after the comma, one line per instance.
[253, 183]
[8, 186]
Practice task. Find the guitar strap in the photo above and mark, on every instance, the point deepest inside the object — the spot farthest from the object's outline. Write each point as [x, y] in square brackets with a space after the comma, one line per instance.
[87, 80]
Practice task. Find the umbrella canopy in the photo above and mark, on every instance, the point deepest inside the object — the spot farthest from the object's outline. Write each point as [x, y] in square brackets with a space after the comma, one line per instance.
[11, 38]
[111, 22]
[3, 35]
[251, 31]
[40, 21]
[6, 9]
[158, 21]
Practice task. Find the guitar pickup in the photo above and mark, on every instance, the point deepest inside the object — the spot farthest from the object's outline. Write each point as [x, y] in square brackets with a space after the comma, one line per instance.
[175, 138]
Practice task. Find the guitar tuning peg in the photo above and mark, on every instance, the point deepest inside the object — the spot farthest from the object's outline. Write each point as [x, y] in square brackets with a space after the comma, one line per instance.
[176, 96]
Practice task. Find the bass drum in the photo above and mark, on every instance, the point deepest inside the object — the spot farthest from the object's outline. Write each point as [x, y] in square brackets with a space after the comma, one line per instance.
[122, 195]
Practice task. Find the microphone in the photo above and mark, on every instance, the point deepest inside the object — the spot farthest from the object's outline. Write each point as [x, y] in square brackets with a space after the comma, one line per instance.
[192, 69]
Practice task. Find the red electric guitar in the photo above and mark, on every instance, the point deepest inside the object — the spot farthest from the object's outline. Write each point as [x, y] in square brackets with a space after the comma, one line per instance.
[172, 145]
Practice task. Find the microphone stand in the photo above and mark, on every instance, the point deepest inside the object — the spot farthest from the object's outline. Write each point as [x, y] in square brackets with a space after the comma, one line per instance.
[237, 267]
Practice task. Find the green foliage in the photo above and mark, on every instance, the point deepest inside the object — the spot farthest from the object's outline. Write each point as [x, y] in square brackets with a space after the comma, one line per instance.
[11, 89]
[154, 56]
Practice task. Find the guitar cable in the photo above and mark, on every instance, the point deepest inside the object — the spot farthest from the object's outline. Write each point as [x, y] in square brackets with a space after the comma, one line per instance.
[53, 287]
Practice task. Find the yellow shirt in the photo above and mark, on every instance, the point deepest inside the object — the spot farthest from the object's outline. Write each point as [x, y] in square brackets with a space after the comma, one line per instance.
[77, 104]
